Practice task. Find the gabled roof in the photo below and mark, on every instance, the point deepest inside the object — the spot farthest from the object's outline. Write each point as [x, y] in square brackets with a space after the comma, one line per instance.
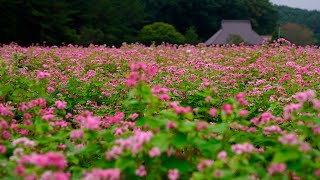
[240, 27]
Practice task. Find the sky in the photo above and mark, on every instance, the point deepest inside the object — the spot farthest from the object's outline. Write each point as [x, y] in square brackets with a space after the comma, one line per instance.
[303, 4]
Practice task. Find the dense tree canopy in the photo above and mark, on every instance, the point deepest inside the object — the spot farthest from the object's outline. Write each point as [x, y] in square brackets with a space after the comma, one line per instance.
[310, 19]
[112, 22]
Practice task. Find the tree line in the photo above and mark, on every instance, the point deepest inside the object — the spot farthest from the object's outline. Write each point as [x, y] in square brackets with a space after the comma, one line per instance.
[113, 22]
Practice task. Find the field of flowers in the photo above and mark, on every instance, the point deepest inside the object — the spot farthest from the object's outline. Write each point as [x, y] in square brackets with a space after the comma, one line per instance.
[163, 112]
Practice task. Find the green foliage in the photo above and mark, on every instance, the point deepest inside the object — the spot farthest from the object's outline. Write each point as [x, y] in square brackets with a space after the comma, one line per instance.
[309, 19]
[191, 36]
[297, 34]
[160, 32]
[235, 39]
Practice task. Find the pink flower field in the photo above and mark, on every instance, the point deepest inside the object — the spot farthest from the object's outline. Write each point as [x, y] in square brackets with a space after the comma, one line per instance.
[165, 112]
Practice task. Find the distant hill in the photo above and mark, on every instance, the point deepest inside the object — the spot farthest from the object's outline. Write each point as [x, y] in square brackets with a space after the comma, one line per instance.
[310, 19]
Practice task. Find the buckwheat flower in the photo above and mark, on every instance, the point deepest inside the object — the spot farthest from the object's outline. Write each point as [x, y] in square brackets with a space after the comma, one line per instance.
[24, 141]
[302, 97]
[304, 146]
[201, 125]
[208, 98]
[272, 129]
[316, 104]
[204, 163]
[222, 155]
[6, 135]
[20, 170]
[91, 123]
[154, 152]
[50, 175]
[141, 171]
[61, 104]
[134, 116]
[2, 149]
[277, 168]
[291, 139]
[108, 174]
[170, 125]
[227, 108]
[317, 173]
[243, 113]
[50, 90]
[173, 174]
[3, 125]
[217, 173]
[48, 117]
[213, 112]
[77, 134]
[242, 148]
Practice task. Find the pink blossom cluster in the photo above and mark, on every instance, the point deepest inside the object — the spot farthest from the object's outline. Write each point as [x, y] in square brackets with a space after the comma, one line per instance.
[160, 92]
[180, 109]
[272, 129]
[101, 174]
[49, 159]
[140, 72]
[204, 163]
[277, 168]
[243, 148]
[133, 144]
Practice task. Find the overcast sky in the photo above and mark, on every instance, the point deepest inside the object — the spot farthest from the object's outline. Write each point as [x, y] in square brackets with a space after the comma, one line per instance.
[303, 4]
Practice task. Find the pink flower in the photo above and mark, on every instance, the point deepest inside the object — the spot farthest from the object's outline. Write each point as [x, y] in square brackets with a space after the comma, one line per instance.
[6, 135]
[48, 117]
[302, 97]
[170, 125]
[24, 141]
[242, 148]
[154, 152]
[277, 168]
[20, 170]
[45, 160]
[3, 125]
[91, 123]
[134, 116]
[61, 104]
[243, 113]
[291, 139]
[227, 108]
[77, 134]
[208, 98]
[204, 163]
[173, 174]
[213, 112]
[50, 90]
[201, 125]
[141, 171]
[2, 149]
[317, 173]
[42, 75]
[222, 155]
[304, 146]
[49, 175]
[108, 174]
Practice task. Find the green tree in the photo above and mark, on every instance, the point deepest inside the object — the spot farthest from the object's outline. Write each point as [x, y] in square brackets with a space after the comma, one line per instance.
[297, 34]
[159, 32]
[191, 36]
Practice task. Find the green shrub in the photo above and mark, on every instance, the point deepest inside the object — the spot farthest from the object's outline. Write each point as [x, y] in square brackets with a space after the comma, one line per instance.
[159, 32]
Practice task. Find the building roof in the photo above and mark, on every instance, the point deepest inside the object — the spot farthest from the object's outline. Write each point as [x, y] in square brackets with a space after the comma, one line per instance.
[239, 27]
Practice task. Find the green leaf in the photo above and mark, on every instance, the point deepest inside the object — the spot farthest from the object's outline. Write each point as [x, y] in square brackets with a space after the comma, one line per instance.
[219, 128]
[179, 140]
[161, 141]
[182, 165]
[286, 156]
